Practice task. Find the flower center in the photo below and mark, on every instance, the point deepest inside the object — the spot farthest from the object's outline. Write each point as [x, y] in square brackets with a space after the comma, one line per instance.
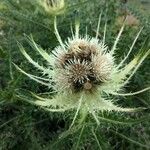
[81, 67]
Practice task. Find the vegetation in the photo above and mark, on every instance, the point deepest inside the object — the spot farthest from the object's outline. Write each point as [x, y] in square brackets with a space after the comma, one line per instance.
[26, 126]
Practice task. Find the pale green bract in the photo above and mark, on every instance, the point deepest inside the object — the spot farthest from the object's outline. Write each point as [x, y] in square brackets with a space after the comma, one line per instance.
[114, 76]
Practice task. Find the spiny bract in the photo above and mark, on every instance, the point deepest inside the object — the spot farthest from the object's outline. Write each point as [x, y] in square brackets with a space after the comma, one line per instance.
[82, 72]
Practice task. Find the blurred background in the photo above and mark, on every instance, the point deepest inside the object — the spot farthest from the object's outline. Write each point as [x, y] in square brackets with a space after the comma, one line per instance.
[27, 127]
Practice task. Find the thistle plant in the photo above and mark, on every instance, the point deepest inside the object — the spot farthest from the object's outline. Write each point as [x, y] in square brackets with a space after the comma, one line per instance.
[83, 73]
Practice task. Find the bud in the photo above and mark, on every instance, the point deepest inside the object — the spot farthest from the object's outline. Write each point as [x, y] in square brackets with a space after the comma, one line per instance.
[52, 7]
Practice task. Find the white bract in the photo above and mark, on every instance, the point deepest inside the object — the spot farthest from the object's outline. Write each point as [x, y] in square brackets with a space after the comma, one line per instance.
[83, 74]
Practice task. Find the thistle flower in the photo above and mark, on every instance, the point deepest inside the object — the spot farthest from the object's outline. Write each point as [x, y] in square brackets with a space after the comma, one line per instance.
[52, 7]
[83, 74]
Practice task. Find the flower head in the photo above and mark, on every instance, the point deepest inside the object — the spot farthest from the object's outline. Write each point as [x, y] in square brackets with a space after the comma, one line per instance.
[83, 73]
[52, 7]
[82, 66]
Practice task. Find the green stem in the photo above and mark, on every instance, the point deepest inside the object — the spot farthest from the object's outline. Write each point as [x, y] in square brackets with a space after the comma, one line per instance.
[95, 136]
[78, 142]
